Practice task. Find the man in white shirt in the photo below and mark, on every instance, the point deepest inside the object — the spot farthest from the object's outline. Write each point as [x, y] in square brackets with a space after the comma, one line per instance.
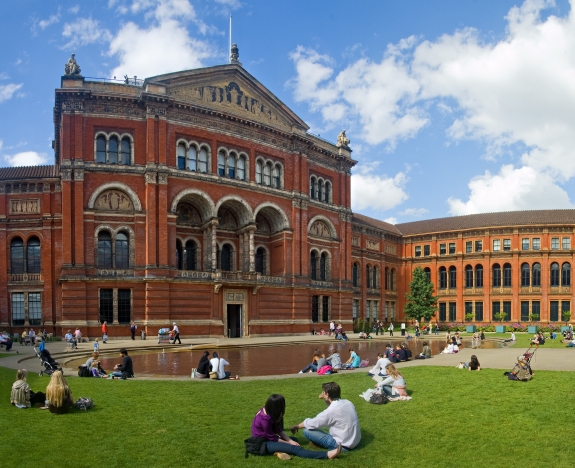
[380, 365]
[176, 332]
[341, 418]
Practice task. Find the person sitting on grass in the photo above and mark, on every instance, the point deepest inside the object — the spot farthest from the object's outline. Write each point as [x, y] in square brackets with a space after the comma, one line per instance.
[394, 385]
[334, 360]
[537, 340]
[571, 343]
[400, 354]
[521, 371]
[59, 394]
[354, 360]
[203, 370]
[267, 426]
[449, 349]
[379, 368]
[312, 366]
[124, 370]
[21, 395]
[425, 352]
[340, 417]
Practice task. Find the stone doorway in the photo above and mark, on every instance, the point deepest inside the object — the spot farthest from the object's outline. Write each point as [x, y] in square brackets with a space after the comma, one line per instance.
[235, 313]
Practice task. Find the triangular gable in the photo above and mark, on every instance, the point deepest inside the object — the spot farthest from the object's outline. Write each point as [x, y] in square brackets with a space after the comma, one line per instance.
[230, 89]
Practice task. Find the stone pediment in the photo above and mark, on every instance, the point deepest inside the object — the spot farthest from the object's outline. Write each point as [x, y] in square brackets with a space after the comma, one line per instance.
[231, 90]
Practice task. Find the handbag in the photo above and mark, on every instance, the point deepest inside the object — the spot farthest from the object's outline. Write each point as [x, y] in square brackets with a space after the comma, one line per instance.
[378, 398]
[194, 373]
[214, 374]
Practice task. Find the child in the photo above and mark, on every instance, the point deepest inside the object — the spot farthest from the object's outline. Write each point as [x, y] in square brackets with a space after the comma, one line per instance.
[96, 346]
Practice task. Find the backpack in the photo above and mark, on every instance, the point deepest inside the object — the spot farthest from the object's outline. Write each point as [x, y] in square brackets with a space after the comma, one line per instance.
[84, 403]
[255, 446]
[83, 371]
[378, 398]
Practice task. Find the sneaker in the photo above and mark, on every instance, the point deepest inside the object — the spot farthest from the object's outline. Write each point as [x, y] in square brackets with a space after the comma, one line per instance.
[300, 372]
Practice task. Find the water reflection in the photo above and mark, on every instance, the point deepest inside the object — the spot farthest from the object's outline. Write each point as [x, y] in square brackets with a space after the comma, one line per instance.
[265, 360]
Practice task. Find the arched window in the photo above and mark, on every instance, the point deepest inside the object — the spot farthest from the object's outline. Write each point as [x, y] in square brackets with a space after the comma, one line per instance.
[17, 256]
[268, 174]
[565, 274]
[554, 274]
[312, 188]
[374, 276]
[355, 275]
[104, 250]
[452, 277]
[179, 255]
[231, 166]
[323, 266]
[319, 192]
[427, 272]
[33, 255]
[181, 156]
[536, 275]
[126, 152]
[192, 159]
[190, 255]
[468, 276]
[226, 258]
[261, 260]
[442, 278]
[242, 168]
[368, 276]
[221, 164]
[101, 149]
[327, 192]
[122, 251]
[259, 171]
[203, 160]
[525, 275]
[313, 265]
[496, 275]
[507, 275]
[113, 151]
[276, 177]
[479, 276]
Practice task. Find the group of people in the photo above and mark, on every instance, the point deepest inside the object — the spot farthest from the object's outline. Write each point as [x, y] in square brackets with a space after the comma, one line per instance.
[214, 368]
[340, 416]
[58, 397]
[323, 364]
[73, 338]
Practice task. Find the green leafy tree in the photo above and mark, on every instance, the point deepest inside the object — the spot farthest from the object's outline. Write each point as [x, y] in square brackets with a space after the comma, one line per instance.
[421, 303]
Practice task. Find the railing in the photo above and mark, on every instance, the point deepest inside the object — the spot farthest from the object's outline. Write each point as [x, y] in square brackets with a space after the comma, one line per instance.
[113, 272]
[560, 290]
[219, 276]
[25, 277]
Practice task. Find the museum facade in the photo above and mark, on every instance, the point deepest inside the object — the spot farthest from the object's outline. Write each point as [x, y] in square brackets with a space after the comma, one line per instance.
[198, 197]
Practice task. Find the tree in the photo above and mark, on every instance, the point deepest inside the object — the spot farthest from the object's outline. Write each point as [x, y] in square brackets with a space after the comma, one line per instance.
[421, 303]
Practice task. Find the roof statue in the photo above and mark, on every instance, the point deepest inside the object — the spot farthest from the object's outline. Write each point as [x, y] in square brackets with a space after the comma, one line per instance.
[71, 67]
[342, 140]
[234, 54]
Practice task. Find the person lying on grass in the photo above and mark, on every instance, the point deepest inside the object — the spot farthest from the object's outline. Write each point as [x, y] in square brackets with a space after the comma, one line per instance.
[394, 385]
[268, 425]
[341, 418]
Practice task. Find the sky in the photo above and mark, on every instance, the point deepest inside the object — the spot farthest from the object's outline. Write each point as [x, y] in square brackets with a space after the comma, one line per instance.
[453, 107]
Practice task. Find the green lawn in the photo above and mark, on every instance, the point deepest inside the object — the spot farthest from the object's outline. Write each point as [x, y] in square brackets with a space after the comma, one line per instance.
[6, 354]
[455, 416]
[524, 339]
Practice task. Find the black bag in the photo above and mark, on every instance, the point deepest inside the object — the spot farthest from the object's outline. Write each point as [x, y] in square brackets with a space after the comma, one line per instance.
[83, 371]
[255, 446]
[378, 398]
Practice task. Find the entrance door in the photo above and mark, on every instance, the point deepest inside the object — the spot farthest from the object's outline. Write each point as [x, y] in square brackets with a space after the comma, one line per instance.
[234, 320]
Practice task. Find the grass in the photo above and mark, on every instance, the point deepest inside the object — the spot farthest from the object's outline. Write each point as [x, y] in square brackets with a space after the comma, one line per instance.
[477, 417]
[6, 355]
[524, 339]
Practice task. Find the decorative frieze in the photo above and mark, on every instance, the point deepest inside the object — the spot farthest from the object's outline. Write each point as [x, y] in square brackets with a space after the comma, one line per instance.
[25, 206]
[371, 244]
[390, 249]
[72, 106]
[355, 241]
[155, 110]
[163, 178]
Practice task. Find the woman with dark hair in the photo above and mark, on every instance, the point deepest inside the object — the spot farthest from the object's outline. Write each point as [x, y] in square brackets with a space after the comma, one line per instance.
[473, 364]
[203, 371]
[268, 426]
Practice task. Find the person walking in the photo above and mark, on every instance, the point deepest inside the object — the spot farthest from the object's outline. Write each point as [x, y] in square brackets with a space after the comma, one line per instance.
[133, 328]
[176, 332]
[340, 417]
[104, 332]
[390, 329]
[331, 328]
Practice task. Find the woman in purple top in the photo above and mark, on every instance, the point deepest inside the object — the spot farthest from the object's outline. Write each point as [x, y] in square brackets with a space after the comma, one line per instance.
[268, 424]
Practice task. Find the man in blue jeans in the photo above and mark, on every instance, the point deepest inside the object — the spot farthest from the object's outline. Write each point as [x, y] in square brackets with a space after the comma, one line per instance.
[340, 417]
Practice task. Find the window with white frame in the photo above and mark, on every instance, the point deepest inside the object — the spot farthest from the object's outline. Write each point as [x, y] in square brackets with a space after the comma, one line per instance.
[496, 245]
[566, 243]
[113, 149]
[506, 245]
[536, 243]
[554, 243]
[193, 157]
[525, 243]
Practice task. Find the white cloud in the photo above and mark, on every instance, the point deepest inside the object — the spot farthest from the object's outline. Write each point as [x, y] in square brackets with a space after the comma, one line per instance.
[390, 220]
[7, 91]
[26, 158]
[84, 31]
[164, 46]
[74, 10]
[53, 19]
[512, 189]
[513, 93]
[377, 192]
[415, 212]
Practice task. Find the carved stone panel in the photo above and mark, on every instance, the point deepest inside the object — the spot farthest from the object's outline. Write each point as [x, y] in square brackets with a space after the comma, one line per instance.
[390, 249]
[355, 241]
[187, 214]
[371, 244]
[25, 206]
[320, 229]
[114, 200]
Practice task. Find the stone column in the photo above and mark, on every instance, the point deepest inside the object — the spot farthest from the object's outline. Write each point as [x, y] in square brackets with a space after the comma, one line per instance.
[246, 242]
[252, 250]
[214, 248]
[241, 252]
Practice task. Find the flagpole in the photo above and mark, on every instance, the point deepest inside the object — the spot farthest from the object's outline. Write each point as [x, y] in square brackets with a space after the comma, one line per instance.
[230, 47]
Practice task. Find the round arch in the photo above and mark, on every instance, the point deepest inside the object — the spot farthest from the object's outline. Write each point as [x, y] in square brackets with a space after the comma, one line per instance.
[325, 220]
[115, 185]
[271, 210]
[206, 205]
[241, 207]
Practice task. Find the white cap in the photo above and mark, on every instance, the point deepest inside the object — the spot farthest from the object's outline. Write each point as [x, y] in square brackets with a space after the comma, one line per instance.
[174, 323]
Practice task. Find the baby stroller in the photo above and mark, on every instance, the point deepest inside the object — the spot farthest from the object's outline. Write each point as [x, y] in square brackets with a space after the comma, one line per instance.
[49, 363]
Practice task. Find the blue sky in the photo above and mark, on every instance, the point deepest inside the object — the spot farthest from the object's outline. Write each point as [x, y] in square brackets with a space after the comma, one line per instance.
[452, 106]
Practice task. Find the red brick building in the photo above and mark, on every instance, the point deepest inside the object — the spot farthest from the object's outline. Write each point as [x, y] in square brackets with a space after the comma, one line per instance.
[199, 197]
